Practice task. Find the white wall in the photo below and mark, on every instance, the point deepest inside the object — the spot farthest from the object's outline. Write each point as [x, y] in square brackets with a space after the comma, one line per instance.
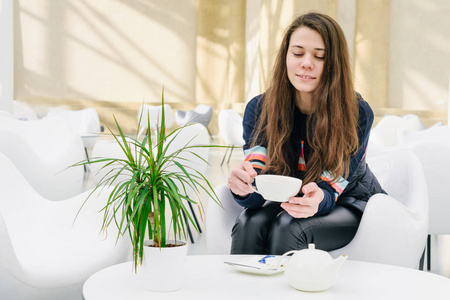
[252, 54]
[6, 54]
[419, 54]
[119, 51]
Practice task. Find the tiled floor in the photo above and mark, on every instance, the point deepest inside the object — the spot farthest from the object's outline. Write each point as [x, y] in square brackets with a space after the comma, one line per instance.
[440, 245]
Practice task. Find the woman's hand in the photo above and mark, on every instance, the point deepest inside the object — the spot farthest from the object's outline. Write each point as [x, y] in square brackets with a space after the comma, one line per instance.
[240, 177]
[306, 206]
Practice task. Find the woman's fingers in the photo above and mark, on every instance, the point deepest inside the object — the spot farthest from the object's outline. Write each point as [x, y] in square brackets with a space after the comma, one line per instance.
[240, 177]
[306, 206]
[298, 210]
[247, 166]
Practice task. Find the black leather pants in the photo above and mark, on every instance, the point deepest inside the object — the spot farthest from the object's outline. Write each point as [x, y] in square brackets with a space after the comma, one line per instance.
[271, 230]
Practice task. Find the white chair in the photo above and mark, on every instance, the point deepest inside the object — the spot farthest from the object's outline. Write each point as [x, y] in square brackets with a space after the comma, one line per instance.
[432, 147]
[43, 150]
[436, 132]
[84, 122]
[200, 114]
[390, 129]
[147, 111]
[393, 228]
[191, 135]
[23, 111]
[231, 130]
[413, 122]
[45, 252]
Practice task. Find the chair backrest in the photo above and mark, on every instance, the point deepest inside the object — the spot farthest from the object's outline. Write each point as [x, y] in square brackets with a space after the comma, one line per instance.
[397, 172]
[434, 157]
[432, 147]
[84, 122]
[106, 149]
[413, 122]
[194, 134]
[43, 150]
[432, 133]
[155, 114]
[388, 129]
[22, 111]
[205, 113]
[230, 127]
[200, 114]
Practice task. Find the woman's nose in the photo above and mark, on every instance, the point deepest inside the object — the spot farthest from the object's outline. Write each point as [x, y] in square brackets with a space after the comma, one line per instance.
[307, 62]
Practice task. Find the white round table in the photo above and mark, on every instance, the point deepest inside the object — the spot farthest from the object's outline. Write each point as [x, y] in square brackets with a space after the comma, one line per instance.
[207, 277]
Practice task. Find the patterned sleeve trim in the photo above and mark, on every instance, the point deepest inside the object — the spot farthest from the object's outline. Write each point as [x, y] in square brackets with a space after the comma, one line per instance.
[338, 185]
[257, 156]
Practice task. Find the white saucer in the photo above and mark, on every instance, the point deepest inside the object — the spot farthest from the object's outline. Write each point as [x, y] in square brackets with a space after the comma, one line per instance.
[253, 265]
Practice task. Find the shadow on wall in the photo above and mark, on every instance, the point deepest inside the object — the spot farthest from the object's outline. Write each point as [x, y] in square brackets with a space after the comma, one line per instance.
[420, 54]
[75, 40]
[220, 53]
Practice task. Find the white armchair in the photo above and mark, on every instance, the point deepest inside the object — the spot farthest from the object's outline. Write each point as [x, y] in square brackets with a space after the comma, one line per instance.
[45, 252]
[432, 147]
[23, 111]
[393, 228]
[42, 150]
[390, 129]
[84, 122]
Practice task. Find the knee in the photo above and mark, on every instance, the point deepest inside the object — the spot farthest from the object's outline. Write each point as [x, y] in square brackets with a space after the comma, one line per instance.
[287, 233]
[249, 222]
[249, 233]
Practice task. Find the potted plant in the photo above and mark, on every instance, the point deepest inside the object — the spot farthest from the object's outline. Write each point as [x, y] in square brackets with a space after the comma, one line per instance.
[138, 203]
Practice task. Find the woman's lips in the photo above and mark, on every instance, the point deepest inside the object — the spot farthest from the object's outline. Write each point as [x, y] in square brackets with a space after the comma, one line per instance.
[306, 77]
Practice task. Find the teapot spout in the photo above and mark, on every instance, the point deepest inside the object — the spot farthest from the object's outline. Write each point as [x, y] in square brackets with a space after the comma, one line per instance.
[338, 262]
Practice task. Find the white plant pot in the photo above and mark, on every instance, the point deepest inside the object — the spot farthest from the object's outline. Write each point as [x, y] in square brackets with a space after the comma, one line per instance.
[162, 269]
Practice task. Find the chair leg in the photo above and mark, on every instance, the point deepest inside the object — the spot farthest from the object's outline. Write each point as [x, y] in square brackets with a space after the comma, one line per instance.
[422, 259]
[142, 131]
[191, 238]
[195, 217]
[231, 151]
[87, 158]
[429, 252]
[209, 132]
[223, 159]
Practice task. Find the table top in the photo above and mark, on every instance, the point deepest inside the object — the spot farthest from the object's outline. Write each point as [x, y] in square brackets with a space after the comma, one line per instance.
[208, 277]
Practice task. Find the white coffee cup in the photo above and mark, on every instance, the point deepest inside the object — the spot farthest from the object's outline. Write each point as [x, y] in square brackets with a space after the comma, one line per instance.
[276, 188]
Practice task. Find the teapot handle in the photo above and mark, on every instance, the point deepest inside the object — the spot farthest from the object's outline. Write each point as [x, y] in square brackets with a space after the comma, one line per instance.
[280, 259]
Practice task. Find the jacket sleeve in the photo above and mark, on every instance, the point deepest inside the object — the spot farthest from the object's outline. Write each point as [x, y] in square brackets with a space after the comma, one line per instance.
[333, 190]
[256, 155]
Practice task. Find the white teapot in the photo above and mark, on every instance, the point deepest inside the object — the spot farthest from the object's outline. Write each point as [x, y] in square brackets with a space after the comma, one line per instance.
[312, 270]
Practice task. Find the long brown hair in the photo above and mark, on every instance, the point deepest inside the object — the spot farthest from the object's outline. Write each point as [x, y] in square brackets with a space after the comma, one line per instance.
[332, 124]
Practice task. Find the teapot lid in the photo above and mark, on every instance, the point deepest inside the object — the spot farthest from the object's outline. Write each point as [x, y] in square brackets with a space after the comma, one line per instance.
[313, 254]
[312, 249]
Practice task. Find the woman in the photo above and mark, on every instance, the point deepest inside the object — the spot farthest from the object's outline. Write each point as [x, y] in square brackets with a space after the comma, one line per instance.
[309, 124]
